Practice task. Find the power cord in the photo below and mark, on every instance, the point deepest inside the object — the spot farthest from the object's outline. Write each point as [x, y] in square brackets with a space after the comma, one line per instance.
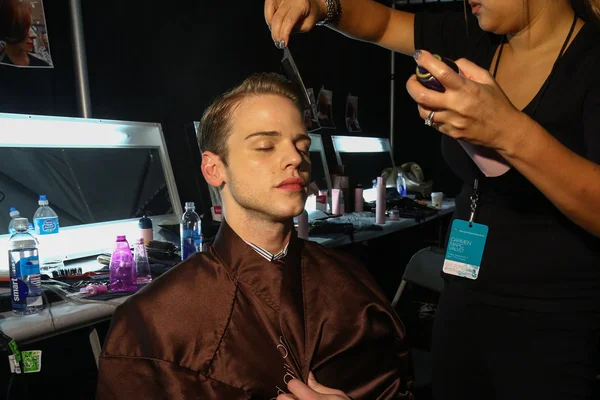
[2, 196]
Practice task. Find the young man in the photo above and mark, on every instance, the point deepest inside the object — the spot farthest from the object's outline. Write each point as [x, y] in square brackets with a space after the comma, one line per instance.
[260, 307]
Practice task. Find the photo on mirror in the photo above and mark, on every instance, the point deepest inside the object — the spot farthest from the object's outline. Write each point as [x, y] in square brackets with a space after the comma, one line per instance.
[352, 114]
[325, 109]
[310, 114]
[23, 34]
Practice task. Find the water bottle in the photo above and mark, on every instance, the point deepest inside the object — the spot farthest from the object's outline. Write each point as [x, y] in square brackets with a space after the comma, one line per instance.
[142, 265]
[14, 213]
[25, 283]
[122, 267]
[191, 239]
[46, 225]
[401, 184]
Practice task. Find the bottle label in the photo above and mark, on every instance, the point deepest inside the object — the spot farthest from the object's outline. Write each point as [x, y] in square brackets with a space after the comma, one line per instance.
[28, 266]
[19, 291]
[46, 226]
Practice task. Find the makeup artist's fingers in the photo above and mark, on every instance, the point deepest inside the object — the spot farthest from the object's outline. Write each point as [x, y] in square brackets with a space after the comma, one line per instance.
[294, 17]
[474, 72]
[446, 75]
[445, 121]
[278, 20]
[317, 387]
[286, 397]
[425, 97]
[269, 10]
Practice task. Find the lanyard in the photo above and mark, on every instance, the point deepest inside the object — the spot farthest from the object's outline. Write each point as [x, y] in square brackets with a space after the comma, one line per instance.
[474, 201]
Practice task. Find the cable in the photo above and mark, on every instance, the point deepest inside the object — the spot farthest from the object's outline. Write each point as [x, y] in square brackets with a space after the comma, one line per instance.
[9, 386]
[49, 310]
[2, 196]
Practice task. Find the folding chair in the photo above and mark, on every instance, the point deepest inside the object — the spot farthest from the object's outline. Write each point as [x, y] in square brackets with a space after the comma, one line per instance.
[423, 269]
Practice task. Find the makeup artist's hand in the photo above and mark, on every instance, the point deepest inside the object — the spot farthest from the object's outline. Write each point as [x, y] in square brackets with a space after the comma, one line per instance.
[473, 107]
[313, 391]
[283, 16]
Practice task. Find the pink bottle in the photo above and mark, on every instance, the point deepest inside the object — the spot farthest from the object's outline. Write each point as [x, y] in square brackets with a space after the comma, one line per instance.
[122, 267]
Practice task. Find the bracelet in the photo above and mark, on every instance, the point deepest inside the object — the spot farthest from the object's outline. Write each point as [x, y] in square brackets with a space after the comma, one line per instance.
[334, 13]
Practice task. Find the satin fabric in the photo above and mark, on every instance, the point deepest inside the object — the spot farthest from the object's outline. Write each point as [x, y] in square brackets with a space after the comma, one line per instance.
[227, 324]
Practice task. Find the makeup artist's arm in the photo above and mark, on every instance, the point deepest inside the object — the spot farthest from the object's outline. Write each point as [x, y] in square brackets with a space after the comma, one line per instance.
[364, 20]
[475, 109]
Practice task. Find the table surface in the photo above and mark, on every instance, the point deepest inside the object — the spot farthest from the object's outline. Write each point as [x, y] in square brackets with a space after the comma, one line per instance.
[64, 316]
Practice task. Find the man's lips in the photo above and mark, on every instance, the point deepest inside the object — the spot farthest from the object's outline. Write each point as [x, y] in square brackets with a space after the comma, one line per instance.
[292, 184]
[475, 7]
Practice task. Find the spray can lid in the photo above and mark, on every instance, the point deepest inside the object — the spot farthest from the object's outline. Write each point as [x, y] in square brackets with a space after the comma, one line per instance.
[145, 223]
[43, 201]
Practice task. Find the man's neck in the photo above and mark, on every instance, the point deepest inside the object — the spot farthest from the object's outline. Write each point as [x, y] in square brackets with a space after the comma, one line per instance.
[254, 228]
[546, 30]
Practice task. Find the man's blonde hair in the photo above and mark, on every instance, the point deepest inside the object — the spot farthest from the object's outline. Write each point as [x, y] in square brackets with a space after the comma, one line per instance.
[215, 126]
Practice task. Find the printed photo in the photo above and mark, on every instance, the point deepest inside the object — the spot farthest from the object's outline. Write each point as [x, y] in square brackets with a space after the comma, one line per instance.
[310, 115]
[325, 109]
[352, 114]
[23, 34]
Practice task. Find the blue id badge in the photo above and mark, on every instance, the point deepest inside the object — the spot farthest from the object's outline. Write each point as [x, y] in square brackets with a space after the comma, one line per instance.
[465, 249]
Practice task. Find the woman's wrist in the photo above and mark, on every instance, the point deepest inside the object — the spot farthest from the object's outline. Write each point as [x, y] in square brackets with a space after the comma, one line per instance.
[330, 12]
[519, 132]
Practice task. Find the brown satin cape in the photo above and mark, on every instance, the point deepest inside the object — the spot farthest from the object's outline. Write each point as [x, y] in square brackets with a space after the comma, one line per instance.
[214, 327]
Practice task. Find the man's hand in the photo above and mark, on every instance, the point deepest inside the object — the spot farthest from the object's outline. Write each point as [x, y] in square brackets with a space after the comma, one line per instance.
[284, 16]
[314, 391]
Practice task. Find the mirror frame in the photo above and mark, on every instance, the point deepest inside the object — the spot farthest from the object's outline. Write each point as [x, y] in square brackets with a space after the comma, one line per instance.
[36, 131]
[361, 144]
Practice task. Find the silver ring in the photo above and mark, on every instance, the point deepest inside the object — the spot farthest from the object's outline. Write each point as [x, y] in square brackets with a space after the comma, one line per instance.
[429, 119]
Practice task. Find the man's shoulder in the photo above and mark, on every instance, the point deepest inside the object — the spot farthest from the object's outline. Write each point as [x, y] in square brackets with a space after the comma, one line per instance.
[184, 311]
[334, 257]
[200, 276]
[335, 262]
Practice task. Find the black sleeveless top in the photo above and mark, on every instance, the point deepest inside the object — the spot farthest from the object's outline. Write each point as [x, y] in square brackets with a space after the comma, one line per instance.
[535, 258]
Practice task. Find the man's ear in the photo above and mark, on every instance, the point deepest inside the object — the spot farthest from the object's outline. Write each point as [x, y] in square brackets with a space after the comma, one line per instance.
[213, 169]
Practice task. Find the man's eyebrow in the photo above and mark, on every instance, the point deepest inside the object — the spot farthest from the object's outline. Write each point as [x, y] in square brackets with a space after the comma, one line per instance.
[302, 136]
[263, 133]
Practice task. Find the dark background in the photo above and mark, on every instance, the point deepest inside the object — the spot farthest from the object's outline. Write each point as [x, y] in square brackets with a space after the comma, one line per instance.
[164, 62]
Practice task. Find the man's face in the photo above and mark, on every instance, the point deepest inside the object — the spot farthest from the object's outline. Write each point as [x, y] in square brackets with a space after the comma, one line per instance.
[268, 162]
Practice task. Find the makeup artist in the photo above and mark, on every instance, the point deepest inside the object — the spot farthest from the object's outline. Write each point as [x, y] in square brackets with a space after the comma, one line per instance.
[525, 324]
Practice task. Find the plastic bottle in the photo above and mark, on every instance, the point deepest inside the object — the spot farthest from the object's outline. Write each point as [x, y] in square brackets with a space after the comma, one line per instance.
[14, 213]
[145, 225]
[142, 265]
[358, 198]
[380, 201]
[401, 184]
[47, 229]
[122, 267]
[25, 283]
[190, 231]
[303, 225]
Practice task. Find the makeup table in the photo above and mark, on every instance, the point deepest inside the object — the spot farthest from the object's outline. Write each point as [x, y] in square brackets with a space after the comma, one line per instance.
[65, 316]
[390, 226]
